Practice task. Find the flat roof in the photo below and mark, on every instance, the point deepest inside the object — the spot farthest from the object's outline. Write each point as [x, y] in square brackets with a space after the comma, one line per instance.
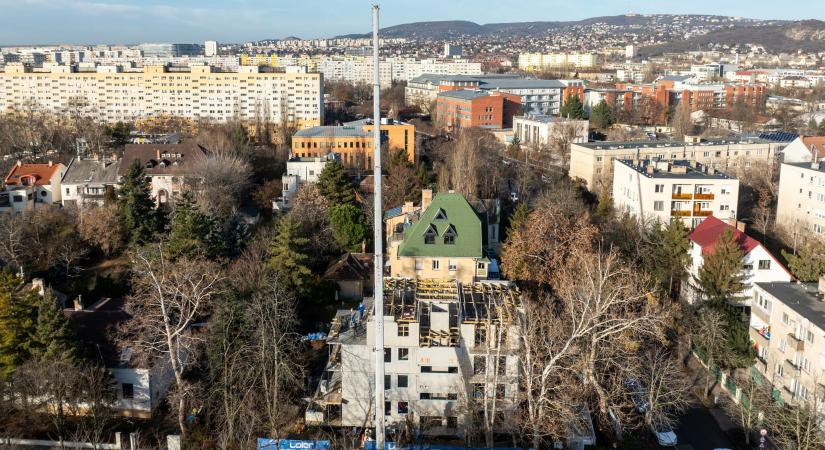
[629, 145]
[800, 297]
[695, 173]
[328, 131]
[807, 165]
[464, 94]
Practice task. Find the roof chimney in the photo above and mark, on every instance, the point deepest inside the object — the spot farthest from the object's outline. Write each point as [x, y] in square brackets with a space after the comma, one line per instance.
[19, 163]
[51, 163]
[426, 198]
[157, 154]
[821, 289]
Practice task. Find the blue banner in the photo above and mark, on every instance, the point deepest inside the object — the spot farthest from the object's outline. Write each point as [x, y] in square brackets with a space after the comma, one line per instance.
[291, 444]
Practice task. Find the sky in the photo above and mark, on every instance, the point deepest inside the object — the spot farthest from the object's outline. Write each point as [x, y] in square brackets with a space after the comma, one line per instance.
[185, 21]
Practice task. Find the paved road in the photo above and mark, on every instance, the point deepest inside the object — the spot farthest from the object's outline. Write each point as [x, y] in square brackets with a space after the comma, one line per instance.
[698, 430]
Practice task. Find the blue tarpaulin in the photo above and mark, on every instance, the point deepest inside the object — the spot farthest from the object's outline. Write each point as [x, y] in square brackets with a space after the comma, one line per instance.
[290, 444]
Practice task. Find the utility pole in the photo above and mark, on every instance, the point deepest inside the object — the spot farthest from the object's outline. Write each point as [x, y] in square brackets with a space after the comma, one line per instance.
[378, 239]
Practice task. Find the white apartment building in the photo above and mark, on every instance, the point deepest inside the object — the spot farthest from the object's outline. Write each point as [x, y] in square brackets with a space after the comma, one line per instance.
[804, 149]
[593, 162]
[196, 92]
[787, 327]
[758, 264]
[673, 190]
[298, 172]
[210, 48]
[542, 130]
[359, 70]
[538, 61]
[449, 348]
[801, 197]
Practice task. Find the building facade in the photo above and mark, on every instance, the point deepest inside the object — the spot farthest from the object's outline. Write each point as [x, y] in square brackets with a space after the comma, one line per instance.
[539, 61]
[467, 109]
[542, 130]
[673, 190]
[450, 349]
[592, 163]
[299, 171]
[113, 94]
[87, 182]
[801, 198]
[171, 168]
[30, 185]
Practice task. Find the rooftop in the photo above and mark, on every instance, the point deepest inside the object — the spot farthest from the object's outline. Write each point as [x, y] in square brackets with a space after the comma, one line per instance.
[161, 159]
[543, 118]
[675, 169]
[801, 297]
[488, 82]
[807, 165]
[464, 94]
[449, 214]
[707, 233]
[35, 174]
[627, 145]
[328, 131]
[91, 171]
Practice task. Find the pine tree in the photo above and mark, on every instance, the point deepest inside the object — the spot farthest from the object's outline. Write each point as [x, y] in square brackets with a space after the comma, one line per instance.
[137, 208]
[668, 255]
[334, 184]
[53, 338]
[286, 257]
[809, 263]
[572, 108]
[17, 324]
[601, 116]
[605, 207]
[349, 226]
[518, 218]
[720, 278]
[190, 230]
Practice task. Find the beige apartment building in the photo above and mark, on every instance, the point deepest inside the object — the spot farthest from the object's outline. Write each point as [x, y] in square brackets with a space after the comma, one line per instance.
[113, 94]
[801, 197]
[668, 190]
[787, 327]
[592, 163]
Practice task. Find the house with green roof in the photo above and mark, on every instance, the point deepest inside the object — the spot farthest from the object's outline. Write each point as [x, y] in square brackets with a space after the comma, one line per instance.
[445, 243]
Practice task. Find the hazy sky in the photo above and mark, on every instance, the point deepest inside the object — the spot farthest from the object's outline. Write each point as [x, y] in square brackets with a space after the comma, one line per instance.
[135, 21]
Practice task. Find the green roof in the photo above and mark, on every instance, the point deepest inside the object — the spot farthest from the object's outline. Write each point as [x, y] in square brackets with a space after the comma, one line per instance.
[447, 214]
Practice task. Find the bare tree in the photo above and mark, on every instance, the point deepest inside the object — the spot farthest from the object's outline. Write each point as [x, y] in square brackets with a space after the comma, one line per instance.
[711, 336]
[101, 227]
[666, 386]
[799, 425]
[753, 404]
[169, 298]
[225, 178]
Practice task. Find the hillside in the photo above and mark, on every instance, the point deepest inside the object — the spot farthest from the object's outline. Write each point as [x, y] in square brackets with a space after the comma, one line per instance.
[807, 35]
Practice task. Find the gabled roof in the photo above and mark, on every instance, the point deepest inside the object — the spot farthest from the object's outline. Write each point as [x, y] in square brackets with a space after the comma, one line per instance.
[460, 216]
[711, 229]
[91, 171]
[349, 267]
[163, 159]
[40, 173]
[814, 143]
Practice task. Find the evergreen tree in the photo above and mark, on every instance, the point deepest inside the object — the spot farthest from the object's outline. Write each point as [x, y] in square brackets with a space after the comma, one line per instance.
[349, 226]
[235, 236]
[518, 218]
[720, 278]
[286, 257]
[423, 176]
[53, 338]
[605, 207]
[572, 108]
[334, 184]
[190, 231]
[17, 325]
[601, 116]
[809, 263]
[668, 256]
[137, 208]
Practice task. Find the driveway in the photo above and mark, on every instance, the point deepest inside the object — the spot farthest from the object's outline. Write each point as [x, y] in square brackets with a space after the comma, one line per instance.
[698, 430]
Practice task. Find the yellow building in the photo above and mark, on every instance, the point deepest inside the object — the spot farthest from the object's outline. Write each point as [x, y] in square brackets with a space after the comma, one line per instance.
[353, 141]
[197, 92]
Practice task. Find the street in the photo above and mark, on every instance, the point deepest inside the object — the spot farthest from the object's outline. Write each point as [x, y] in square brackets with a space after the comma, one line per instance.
[698, 430]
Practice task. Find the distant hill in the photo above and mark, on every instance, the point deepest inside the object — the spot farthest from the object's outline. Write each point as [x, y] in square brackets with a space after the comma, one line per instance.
[461, 28]
[806, 35]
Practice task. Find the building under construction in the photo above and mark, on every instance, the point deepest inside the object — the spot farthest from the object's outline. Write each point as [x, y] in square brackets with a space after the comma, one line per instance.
[450, 353]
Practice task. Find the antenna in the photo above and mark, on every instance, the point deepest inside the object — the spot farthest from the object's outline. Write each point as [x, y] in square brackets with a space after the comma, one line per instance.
[378, 291]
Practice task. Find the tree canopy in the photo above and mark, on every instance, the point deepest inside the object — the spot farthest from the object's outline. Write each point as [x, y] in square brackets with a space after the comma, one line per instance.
[601, 116]
[335, 185]
[720, 278]
[137, 209]
[572, 108]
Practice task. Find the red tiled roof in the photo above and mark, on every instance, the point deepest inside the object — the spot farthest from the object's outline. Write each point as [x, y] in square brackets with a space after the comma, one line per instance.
[42, 173]
[708, 232]
[817, 142]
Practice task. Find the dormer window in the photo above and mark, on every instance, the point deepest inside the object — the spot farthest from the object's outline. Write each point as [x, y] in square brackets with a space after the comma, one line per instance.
[430, 235]
[449, 236]
[440, 215]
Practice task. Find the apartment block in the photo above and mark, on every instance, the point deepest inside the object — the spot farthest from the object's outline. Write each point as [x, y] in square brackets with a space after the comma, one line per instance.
[112, 93]
[673, 190]
[592, 163]
[352, 142]
[542, 130]
[801, 197]
[539, 61]
[299, 171]
[450, 349]
[787, 327]
[466, 109]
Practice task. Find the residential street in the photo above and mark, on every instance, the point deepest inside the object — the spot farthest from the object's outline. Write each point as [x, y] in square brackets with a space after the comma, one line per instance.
[698, 430]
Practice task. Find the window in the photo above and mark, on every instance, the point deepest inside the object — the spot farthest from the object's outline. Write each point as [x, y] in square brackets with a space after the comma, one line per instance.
[452, 422]
[502, 365]
[387, 382]
[128, 391]
[436, 264]
[764, 264]
[440, 215]
[387, 355]
[500, 391]
[660, 188]
[809, 336]
[724, 207]
[480, 335]
[387, 408]
[479, 365]
[659, 205]
[452, 265]
[785, 319]
[403, 331]
[403, 354]
[478, 390]
[782, 343]
[779, 369]
[419, 264]
[449, 236]
[429, 235]
[403, 381]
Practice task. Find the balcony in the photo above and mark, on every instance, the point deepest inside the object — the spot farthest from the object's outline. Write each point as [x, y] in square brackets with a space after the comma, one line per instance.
[790, 364]
[700, 213]
[703, 196]
[681, 196]
[795, 344]
[680, 213]
[762, 332]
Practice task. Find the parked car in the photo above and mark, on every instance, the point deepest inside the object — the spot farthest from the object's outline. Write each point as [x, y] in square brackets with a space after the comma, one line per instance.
[664, 434]
[638, 394]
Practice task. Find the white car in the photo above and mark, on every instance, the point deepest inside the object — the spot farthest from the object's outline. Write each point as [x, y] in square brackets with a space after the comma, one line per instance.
[664, 434]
